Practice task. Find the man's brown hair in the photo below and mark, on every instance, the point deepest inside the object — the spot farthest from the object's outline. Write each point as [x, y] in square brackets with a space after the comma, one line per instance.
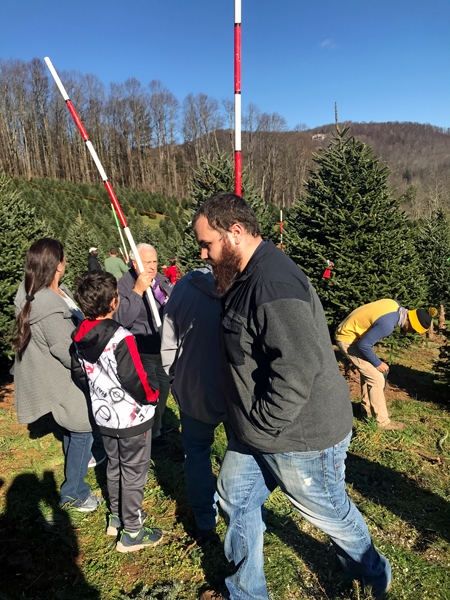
[225, 209]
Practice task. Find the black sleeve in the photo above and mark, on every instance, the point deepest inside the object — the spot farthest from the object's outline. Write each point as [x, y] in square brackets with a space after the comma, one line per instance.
[131, 372]
[78, 374]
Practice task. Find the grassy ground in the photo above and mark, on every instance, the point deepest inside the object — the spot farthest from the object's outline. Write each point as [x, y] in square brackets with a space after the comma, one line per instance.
[399, 480]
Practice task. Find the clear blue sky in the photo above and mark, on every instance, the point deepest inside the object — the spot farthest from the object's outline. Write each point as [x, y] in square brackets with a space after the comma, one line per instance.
[385, 60]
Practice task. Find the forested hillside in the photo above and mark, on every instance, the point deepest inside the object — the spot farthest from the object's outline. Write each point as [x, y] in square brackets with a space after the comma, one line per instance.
[150, 140]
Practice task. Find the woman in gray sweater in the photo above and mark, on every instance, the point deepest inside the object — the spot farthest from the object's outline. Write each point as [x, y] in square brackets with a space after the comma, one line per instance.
[46, 315]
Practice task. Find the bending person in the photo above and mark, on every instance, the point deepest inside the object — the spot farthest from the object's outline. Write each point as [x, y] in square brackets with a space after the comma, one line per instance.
[356, 336]
[46, 315]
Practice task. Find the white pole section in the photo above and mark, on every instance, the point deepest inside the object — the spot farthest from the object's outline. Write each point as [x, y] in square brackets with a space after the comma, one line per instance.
[108, 186]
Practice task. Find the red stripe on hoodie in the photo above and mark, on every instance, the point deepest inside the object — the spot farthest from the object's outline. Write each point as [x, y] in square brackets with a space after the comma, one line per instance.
[151, 395]
[85, 326]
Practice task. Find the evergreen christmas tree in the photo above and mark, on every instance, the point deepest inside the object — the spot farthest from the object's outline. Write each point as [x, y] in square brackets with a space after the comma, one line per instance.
[442, 366]
[212, 177]
[80, 238]
[20, 228]
[433, 248]
[350, 218]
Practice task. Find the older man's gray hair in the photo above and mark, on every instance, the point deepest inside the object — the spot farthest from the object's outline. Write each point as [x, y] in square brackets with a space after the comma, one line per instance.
[142, 247]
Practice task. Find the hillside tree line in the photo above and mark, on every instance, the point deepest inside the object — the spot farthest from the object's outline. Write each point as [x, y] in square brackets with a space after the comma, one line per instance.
[145, 137]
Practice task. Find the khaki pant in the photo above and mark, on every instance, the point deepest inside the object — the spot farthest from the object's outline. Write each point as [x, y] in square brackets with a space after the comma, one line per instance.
[372, 383]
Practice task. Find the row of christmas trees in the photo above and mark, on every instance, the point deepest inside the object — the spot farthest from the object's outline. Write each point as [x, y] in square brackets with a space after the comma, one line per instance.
[347, 217]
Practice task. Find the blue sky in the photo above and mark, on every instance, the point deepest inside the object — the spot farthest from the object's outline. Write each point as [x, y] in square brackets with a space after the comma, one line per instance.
[384, 60]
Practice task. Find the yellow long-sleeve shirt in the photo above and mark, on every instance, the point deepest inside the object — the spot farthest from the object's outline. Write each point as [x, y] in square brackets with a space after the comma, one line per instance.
[362, 319]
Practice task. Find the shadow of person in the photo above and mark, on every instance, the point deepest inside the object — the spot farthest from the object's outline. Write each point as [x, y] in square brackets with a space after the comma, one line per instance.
[315, 564]
[168, 469]
[419, 385]
[425, 511]
[38, 545]
[45, 425]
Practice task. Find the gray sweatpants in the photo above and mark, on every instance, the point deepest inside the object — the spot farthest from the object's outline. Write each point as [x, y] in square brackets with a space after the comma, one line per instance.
[128, 465]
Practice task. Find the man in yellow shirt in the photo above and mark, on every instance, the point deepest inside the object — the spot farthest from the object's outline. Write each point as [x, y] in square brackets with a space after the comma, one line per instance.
[356, 336]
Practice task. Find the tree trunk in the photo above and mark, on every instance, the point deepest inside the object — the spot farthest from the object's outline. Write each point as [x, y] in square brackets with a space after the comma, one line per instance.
[441, 319]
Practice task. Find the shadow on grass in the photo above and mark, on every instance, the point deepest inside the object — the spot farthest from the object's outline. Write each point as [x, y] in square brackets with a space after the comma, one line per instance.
[169, 472]
[420, 385]
[425, 511]
[47, 425]
[38, 545]
[327, 579]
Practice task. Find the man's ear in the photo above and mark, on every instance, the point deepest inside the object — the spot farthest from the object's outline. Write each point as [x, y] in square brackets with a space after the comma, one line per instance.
[237, 233]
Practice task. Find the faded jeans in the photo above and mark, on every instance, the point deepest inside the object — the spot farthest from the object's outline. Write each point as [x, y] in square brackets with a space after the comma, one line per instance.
[314, 482]
[197, 438]
[77, 450]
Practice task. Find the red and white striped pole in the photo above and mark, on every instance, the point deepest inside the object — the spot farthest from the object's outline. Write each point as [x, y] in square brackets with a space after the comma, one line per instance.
[281, 229]
[111, 193]
[237, 97]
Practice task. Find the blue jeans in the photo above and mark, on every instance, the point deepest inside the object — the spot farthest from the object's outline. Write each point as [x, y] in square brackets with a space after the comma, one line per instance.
[314, 482]
[197, 438]
[77, 450]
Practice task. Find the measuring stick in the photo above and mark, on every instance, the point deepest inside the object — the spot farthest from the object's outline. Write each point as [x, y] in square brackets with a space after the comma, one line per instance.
[108, 186]
[237, 98]
[120, 233]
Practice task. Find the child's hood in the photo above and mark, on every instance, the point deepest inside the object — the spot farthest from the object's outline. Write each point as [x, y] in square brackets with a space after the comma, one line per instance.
[92, 337]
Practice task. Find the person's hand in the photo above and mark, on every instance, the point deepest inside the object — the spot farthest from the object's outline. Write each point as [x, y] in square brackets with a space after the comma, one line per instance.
[143, 282]
[383, 368]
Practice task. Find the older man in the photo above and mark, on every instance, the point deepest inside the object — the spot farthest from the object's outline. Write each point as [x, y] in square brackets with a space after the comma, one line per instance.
[287, 404]
[135, 314]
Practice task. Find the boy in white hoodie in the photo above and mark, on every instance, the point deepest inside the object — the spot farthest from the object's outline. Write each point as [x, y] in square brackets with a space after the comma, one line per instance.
[122, 402]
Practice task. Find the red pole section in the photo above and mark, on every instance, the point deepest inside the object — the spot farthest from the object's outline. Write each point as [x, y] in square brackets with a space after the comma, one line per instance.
[85, 137]
[237, 97]
[108, 186]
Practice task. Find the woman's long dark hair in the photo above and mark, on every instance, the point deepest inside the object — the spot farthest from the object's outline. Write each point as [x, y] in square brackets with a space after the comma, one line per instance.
[41, 262]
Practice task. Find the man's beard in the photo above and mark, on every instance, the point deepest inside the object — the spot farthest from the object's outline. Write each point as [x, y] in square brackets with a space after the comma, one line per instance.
[226, 269]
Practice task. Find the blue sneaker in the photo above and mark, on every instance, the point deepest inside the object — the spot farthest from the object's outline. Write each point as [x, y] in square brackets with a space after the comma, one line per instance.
[145, 537]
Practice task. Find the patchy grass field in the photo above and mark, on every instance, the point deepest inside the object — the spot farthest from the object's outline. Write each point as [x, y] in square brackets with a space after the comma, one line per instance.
[399, 480]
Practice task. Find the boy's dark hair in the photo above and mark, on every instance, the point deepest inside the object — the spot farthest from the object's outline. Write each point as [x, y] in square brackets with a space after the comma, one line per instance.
[224, 210]
[114, 251]
[94, 292]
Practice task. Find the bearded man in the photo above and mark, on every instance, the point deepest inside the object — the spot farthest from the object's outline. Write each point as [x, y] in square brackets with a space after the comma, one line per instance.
[287, 403]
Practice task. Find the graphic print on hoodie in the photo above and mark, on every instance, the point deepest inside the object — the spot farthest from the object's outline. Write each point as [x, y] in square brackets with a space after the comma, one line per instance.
[123, 403]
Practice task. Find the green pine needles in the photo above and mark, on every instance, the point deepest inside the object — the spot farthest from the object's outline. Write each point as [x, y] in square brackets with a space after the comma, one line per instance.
[349, 217]
[433, 248]
[212, 177]
[20, 228]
